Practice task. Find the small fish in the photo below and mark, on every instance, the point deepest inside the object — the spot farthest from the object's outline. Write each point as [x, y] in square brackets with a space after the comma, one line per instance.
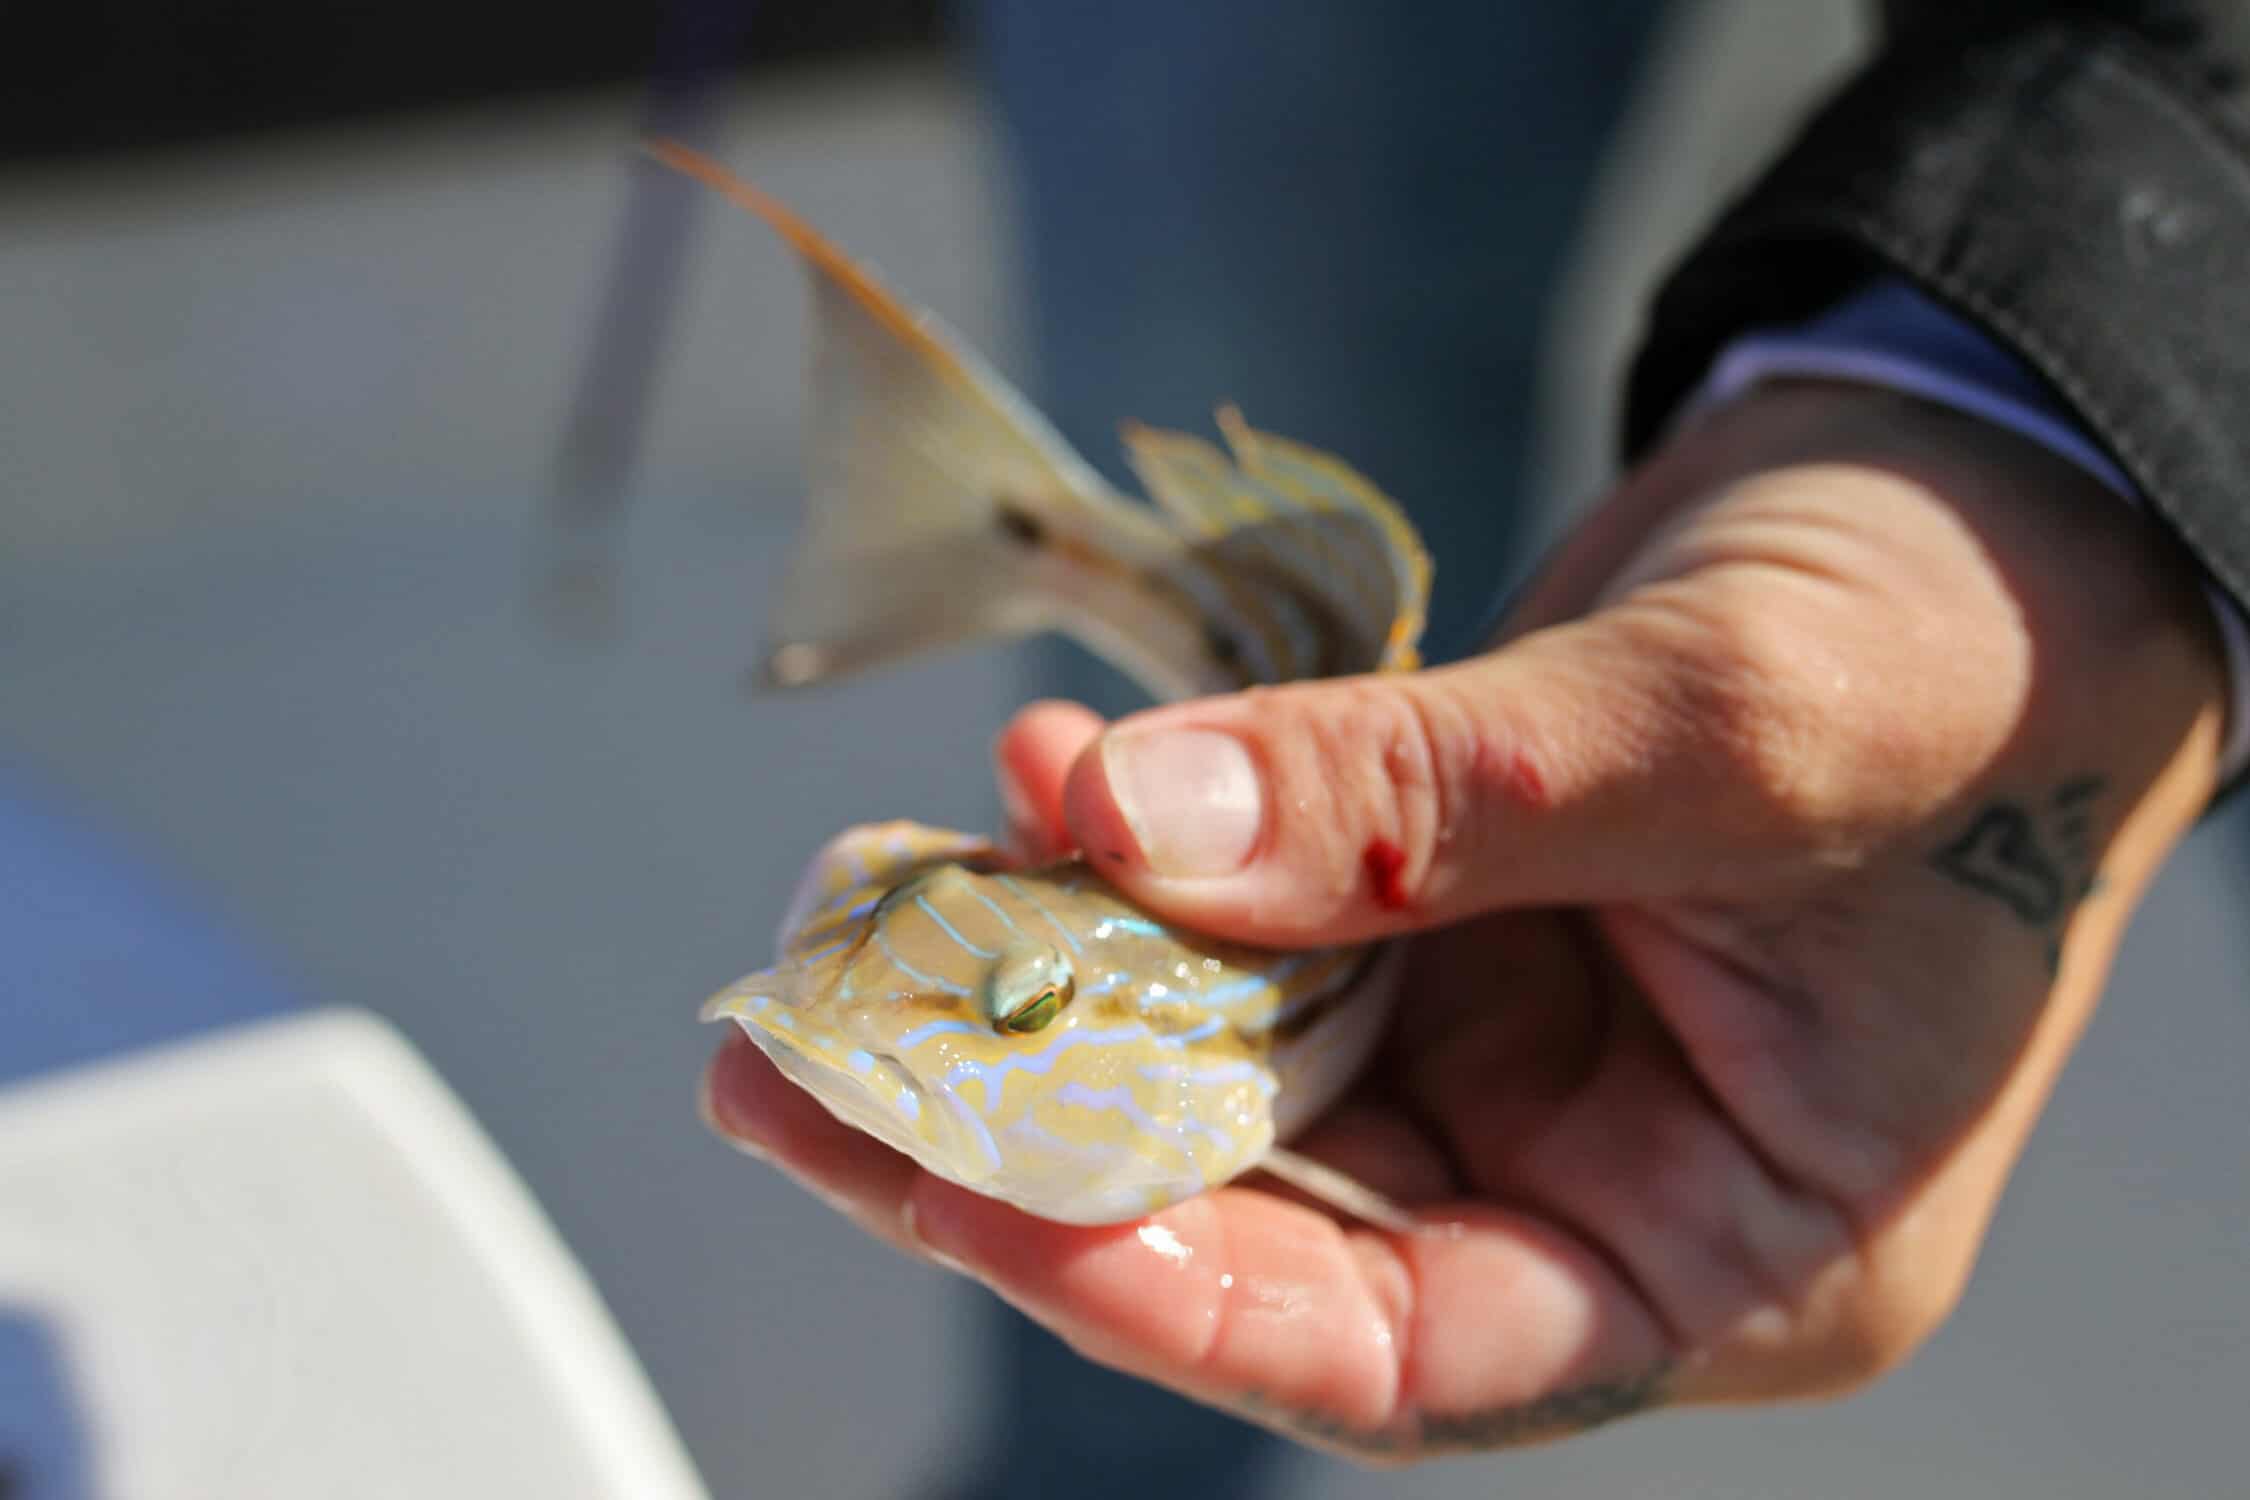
[1031, 1034]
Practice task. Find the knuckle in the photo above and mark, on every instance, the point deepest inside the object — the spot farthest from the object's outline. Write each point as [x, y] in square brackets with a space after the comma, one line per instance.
[1389, 760]
[1774, 708]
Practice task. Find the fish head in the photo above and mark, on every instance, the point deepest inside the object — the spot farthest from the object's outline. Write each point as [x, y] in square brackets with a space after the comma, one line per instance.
[1024, 1037]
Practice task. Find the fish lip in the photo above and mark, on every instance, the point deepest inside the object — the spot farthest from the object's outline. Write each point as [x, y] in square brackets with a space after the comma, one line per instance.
[930, 1136]
[780, 987]
[738, 1000]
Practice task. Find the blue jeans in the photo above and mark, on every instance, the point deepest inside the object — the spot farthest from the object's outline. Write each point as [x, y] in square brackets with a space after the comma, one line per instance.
[1348, 218]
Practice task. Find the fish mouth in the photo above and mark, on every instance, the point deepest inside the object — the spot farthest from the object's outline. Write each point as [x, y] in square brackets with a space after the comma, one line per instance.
[860, 1085]
[853, 1100]
[874, 1095]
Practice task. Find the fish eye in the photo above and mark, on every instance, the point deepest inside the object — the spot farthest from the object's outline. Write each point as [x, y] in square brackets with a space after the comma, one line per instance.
[1027, 989]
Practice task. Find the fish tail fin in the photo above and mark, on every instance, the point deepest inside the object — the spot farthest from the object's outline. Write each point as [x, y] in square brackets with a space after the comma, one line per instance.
[943, 509]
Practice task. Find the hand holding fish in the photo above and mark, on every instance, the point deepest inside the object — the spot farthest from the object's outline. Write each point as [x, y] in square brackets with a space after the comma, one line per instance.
[1741, 907]
[1779, 860]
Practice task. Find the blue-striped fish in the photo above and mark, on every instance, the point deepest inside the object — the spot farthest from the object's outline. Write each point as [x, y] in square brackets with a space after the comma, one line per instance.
[1031, 1034]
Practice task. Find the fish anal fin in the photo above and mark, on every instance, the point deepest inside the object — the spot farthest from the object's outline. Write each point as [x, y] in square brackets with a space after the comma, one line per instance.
[1344, 1193]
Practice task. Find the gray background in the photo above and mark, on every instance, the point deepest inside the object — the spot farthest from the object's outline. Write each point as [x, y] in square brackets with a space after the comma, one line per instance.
[272, 422]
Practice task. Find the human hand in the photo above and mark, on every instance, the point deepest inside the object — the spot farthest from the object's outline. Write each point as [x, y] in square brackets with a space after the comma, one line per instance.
[1768, 874]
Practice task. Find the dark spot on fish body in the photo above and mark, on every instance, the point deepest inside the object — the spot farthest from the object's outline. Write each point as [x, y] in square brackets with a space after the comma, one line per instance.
[1021, 526]
[1386, 874]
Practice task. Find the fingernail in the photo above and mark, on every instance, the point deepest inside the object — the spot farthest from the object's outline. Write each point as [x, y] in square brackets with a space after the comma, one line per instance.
[1025, 841]
[1015, 802]
[910, 1225]
[923, 1231]
[1191, 797]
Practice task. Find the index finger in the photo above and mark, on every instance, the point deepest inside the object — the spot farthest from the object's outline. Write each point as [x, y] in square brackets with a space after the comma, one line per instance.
[1495, 1329]
[1031, 760]
[1491, 1331]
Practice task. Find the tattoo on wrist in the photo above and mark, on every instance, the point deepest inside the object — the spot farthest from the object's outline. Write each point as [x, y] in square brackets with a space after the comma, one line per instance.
[1562, 1414]
[2036, 858]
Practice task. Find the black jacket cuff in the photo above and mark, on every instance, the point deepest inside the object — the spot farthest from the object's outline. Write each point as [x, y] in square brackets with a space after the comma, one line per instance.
[2079, 193]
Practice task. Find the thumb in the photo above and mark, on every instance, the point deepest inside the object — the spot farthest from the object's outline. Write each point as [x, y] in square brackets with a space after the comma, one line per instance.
[1626, 756]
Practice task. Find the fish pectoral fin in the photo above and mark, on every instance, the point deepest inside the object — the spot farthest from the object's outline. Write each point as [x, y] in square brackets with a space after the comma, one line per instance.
[1347, 1195]
[745, 997]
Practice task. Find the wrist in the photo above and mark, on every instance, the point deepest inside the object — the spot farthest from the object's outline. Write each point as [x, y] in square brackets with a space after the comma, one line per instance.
[1993, 595]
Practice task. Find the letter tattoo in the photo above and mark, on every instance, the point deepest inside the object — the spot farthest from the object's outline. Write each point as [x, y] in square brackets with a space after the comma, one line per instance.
[2034, 858]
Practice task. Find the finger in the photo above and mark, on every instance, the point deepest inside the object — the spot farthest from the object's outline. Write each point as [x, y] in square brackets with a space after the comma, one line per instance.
[1492, 1330]
[1031, 760]
[1647, 751]
[1495, 1331]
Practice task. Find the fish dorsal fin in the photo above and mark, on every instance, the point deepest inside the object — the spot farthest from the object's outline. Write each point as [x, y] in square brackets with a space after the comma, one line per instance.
[1193, 481]
[857, 867]
[1301, 521]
